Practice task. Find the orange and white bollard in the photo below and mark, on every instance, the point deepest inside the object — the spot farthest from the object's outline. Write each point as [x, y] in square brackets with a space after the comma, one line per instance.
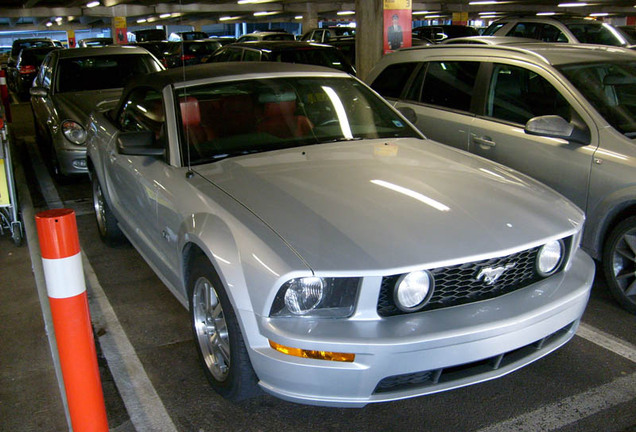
[63, 272]
[4, 95]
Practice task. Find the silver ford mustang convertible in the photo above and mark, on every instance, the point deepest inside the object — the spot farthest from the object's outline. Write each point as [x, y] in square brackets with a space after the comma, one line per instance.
[327, 252]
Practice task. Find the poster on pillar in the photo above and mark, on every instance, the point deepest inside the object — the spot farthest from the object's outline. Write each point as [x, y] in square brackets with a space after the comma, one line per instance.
[70, 35]
[121, 31]
[460, 18]
[397, 24]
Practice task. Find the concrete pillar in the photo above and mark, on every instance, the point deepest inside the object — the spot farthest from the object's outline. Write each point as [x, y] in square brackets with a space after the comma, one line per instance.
[310, 18]
[369, 32]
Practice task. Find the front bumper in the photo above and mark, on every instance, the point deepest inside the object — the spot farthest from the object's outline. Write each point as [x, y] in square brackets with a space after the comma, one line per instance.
[413, 355]
[72, 161]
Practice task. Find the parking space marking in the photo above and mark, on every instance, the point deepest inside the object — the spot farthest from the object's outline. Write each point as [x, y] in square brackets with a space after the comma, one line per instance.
[144, 406]
[607, 341]
[572, 409]
[45, 181]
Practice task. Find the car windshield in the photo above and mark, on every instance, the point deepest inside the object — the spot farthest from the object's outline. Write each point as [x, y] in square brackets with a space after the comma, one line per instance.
[596, 33]
[102, 72]
[611, 89]
[232, 119]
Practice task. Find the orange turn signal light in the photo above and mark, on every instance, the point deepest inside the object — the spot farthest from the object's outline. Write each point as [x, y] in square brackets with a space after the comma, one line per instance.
[313, 354]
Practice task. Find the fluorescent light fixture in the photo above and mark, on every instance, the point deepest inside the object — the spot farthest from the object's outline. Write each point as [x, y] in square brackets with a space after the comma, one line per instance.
[426, 12]
[483, 2]
[228, 18]
[433, 16]
[577, 4]
[546, 13]
[92, 4]
[489, 16]
[298, 17]
[253, 1]
[599, 14]
[349, 12]
[141, 20]
[487, 13]
[264, 13]
[166, 15]
[49, 24]
[58, 19]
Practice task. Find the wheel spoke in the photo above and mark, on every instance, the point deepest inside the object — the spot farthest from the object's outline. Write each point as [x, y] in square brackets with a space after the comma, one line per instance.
[631, 289]
[630, 240]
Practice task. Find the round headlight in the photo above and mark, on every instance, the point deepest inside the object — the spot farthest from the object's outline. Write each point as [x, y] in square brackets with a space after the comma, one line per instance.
[304, 294]
[550, 257]
[413, 291]
[74, 132]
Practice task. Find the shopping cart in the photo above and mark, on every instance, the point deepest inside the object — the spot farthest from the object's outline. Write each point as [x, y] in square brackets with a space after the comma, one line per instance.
[9, 215]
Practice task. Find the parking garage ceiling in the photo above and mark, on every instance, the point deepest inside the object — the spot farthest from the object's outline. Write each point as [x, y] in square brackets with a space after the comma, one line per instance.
[18, 15]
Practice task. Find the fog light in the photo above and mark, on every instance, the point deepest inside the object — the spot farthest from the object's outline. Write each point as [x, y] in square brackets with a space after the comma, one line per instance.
[413, 291]
[313, 354]
[550, 257]
[79, 163]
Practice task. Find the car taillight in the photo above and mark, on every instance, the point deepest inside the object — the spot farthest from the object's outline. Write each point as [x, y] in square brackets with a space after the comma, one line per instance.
[164, 62]
[187, 57]
[27, 69]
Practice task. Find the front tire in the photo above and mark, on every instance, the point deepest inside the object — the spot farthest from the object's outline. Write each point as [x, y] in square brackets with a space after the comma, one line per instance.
[619, 263]
[109, 231]
[217, 334]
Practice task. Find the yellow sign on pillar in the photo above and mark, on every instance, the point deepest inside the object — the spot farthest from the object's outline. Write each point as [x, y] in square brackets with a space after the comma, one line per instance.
[460, 18]
[397, 24]
[70, 35]
[4, 189]
[121, 30]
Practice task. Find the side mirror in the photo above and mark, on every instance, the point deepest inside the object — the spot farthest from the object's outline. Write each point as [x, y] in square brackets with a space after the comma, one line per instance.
[554, 126]
[138, 144]
[38, 92]
[409, 113]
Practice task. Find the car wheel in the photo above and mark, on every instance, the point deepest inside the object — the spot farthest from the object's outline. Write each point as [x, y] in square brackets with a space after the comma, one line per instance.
[217, 334]
[107, 226]
[619, 263]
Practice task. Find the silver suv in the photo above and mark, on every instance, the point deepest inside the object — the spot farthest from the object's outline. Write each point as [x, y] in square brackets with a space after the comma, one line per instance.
[569, 30]
[564, 114]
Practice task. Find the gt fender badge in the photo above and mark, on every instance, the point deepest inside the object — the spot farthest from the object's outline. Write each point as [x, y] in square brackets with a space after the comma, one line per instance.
[491, 274]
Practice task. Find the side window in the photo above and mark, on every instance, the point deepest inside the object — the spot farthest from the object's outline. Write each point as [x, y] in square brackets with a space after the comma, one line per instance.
[234, 54]
[450, 84]
[251, 55]
[516, 95]
[392, 80]
[550, 33]
[144, 111]
[526, 30]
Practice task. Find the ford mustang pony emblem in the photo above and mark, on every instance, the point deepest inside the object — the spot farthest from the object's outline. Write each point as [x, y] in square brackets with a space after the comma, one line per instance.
[491, 274]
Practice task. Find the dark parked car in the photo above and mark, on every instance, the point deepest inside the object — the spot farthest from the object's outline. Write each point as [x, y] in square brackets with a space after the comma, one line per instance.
[188, 35]
[98, 41]
[150, 35]
[267, 36]
[187, 53]
[443, 32]
[159, 49]
[20, 44]
[285, 51]
[26, 69]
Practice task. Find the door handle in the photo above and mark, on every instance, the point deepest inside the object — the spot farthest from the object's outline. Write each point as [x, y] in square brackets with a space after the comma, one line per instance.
[484, 141]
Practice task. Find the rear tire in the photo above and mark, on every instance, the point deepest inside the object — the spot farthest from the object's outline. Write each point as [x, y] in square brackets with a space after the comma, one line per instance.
[619, 263]
[217, 335]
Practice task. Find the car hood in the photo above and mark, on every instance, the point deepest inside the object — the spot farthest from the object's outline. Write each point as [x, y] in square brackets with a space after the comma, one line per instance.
[78, 105]
[379, 205]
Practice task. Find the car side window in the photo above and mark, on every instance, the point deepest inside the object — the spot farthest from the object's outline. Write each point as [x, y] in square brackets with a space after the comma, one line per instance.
[392, 80]
[550, 33]
[144, 111]
[516, 95]
[251, 55]
[449, 84]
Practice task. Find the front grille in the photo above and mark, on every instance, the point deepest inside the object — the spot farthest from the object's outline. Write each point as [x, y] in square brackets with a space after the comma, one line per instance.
[481, 367]
[458, 284]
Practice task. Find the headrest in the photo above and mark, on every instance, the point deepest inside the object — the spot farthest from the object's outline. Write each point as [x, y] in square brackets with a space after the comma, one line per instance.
[273, 109]
[190, 113]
